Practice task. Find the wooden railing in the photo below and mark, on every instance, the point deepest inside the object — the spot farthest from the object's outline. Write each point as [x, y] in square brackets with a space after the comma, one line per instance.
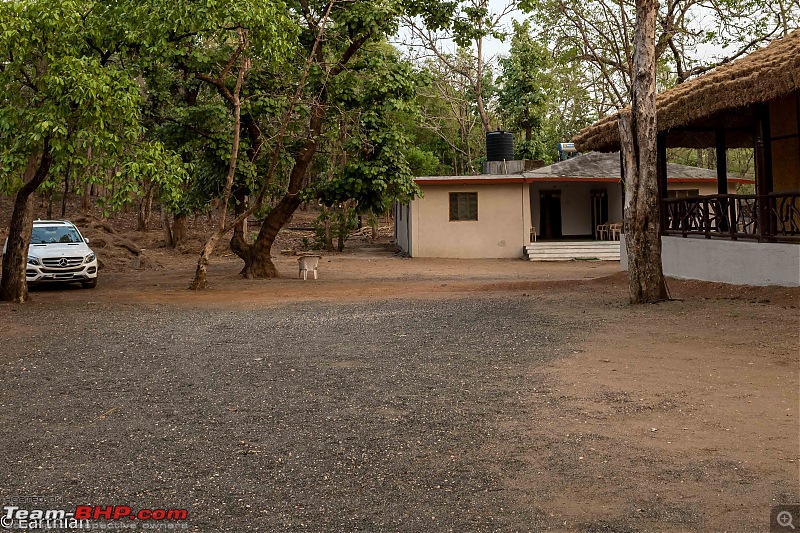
[735, 216]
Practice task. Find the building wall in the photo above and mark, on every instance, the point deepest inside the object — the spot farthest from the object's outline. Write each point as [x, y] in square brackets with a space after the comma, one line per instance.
[736, 262]
[501, 230]
[785, 139]
[402, 224]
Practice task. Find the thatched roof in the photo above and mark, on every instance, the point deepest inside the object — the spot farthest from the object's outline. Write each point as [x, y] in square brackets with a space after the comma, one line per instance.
[605, 166]
[768, 73]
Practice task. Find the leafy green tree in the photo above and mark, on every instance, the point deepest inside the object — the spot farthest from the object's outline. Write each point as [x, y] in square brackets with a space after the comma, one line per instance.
[524, 83]
[332, 34]
[60, 96]
[374, 93]
[543, 94]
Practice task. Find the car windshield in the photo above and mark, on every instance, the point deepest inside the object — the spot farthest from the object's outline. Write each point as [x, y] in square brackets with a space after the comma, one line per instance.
[55, 234]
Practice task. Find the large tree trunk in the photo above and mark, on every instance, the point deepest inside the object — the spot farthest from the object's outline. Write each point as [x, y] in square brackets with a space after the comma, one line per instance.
[13, 287]
[638, 136]
[257, 257]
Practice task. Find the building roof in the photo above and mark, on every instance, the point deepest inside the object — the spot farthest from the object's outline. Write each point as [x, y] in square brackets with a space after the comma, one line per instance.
[481, 179]
[597, 166]
[765, 74]
[592, 167]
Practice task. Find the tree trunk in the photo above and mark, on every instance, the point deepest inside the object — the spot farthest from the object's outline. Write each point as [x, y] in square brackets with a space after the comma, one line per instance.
[528, 127]
[178, 229]
[342, 233]
[13, 287]
[638, 134]
[87, 187]
[327, 235]
[64, 197]
[257, 260]
[240, 242]
[145, 208]
[86, 201]
[487, 126]
[200, 280]
[169, 242]
[50, 204]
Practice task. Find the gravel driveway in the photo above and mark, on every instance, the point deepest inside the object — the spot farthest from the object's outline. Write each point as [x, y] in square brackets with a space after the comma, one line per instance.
[380, 416]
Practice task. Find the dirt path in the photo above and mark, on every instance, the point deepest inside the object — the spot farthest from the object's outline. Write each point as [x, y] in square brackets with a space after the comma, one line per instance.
[407, 395]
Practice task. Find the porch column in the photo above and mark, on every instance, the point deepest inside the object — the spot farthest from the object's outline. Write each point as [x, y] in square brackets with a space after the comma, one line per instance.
[722, 177]
[763, 152]
[661, 176]
[722, 162]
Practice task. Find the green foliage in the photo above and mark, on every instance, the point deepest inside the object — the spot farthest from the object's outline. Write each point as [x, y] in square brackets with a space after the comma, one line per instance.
[525, 81]
[151, 165]
[193, 117]
[56, 88]
[422, 162]
[377, 90]
[335, 223]
[542, 97]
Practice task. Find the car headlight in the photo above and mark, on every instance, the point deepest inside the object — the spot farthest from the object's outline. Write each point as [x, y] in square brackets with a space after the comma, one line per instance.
[89, 258]
[33, 260]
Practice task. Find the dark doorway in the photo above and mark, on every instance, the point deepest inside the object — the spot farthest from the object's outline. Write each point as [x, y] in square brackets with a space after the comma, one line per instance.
[550, 214]
[599, 210]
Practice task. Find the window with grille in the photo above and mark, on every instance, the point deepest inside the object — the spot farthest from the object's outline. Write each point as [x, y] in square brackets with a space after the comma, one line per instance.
[463, 206]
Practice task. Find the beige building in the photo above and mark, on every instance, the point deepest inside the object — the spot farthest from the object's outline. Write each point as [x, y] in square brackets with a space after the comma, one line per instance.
[495, 216]
[466, 217]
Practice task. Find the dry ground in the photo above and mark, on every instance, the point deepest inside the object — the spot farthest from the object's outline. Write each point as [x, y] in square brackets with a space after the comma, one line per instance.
[596, 416]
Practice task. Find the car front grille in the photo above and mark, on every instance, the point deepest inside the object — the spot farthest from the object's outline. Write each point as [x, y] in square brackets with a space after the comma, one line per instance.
[62, 262]
[60, 270]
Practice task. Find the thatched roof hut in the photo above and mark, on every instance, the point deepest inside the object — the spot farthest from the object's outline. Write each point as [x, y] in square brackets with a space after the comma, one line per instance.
[766, 74]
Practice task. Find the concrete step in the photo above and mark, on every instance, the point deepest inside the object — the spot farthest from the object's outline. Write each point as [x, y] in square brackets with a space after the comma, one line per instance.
[567, 251]
[593, 249]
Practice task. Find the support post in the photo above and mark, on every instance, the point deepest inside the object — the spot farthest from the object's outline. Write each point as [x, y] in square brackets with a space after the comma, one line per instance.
[661, 176]
[722, 161]
[722, 178]
[763, 151]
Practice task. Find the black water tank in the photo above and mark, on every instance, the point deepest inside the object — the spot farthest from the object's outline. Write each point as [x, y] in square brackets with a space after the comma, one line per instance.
[499, 146]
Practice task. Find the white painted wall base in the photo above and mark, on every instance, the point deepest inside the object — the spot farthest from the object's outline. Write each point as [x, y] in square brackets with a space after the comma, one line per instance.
[736, 262]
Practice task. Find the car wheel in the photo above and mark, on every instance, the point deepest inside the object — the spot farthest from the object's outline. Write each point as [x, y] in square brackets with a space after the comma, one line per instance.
[91, 284]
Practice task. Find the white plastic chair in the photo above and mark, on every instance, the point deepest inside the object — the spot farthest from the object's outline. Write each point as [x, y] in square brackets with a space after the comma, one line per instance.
[308, 263]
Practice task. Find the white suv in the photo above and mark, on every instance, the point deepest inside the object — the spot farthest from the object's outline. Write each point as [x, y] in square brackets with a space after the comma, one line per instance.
[58, 252]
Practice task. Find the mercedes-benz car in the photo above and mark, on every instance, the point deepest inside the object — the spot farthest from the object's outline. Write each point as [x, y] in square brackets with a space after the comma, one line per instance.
[58, 252]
